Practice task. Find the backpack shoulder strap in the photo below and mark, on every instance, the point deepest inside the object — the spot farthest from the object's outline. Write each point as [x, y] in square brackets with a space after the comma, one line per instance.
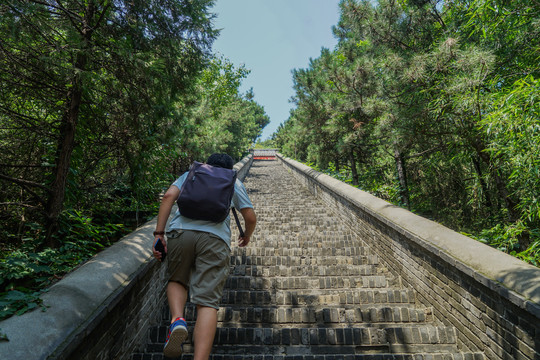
[238, 222]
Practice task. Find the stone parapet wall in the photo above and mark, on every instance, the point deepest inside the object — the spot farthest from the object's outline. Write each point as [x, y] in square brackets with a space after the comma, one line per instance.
[491, 298]
[242, 167]
[102, 310]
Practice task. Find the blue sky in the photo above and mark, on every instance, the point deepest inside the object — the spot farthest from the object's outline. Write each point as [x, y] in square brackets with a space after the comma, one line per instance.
[271, 38]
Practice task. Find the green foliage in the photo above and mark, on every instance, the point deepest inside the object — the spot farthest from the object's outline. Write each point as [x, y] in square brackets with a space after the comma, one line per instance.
[432, 106]
[83, 110]
[266, 144]
[513, 128]
[16, 302]
[343, 174]
[26, 271]
[223, 120]
[100, 121]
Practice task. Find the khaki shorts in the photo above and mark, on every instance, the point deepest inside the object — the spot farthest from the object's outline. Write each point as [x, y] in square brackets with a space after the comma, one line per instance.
[200, 261]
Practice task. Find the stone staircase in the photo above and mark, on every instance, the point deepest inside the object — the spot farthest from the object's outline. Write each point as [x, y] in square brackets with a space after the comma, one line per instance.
[308, 288]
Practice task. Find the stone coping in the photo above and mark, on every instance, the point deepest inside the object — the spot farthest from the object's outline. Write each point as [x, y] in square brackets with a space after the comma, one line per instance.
[512, 278]
[78, 302]
[241, 167]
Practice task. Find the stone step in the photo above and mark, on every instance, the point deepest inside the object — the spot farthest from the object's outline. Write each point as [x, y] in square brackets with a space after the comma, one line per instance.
[312, 251]
[280, 316]
[299, 219]
[290, 232]
[318, 247]
[345, 356]
[313, 211]
[304, 232]
[315, 240]
[271, 200]
[304, 260]
[273, 230]
[304, 270]
[300, 216]
[296, 282]
[299, 195]
[308, 297]
[271, 339]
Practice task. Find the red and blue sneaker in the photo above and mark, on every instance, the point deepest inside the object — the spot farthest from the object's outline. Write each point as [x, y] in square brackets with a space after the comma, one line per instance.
[178, 333]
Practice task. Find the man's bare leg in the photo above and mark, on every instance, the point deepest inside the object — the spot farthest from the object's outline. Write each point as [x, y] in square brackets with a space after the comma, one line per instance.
[177, 298]
[205, 330]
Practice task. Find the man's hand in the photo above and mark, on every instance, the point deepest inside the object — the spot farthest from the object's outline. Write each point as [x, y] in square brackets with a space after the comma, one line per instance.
[157, 254]
[249, 220]
[243, 240]
[167, 203]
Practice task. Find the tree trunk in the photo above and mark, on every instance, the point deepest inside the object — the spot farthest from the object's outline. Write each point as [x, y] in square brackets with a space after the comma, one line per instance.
[66, 140]
[500, 185]
[64, 150]
[483, 184]
[510, 203]
[354, 171]
[402, 177]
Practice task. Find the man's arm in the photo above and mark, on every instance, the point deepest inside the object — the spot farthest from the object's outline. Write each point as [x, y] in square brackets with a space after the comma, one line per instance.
[250, 220]
[163, 215]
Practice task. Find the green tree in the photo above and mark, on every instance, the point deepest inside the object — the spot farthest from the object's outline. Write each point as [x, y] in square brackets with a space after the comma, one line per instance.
[431, 102]
[222, 119]
[85, 83]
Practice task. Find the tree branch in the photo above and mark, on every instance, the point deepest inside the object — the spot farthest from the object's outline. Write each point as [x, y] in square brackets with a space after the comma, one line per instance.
[23, 166]
[22, 182]
[17, 204]
[429, 151]
[437, 15]
[38, 198]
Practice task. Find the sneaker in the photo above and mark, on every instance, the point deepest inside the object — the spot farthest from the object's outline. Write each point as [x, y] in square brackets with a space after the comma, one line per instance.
[177, 335]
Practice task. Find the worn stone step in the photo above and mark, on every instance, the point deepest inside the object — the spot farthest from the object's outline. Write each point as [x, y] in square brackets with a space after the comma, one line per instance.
[437, 337]
[240, 316]
[338, 237]
[296, 282]
[296, 352]
[375, 355]
[307, 214]
[277, 202]
[306, 225]
[309, 297]
[303, 270]
[294, 231]
[303, 260]
[338, 351]
[308, 239]
[313, 248]
[312, 251]
[300, 217]
[289, 232]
